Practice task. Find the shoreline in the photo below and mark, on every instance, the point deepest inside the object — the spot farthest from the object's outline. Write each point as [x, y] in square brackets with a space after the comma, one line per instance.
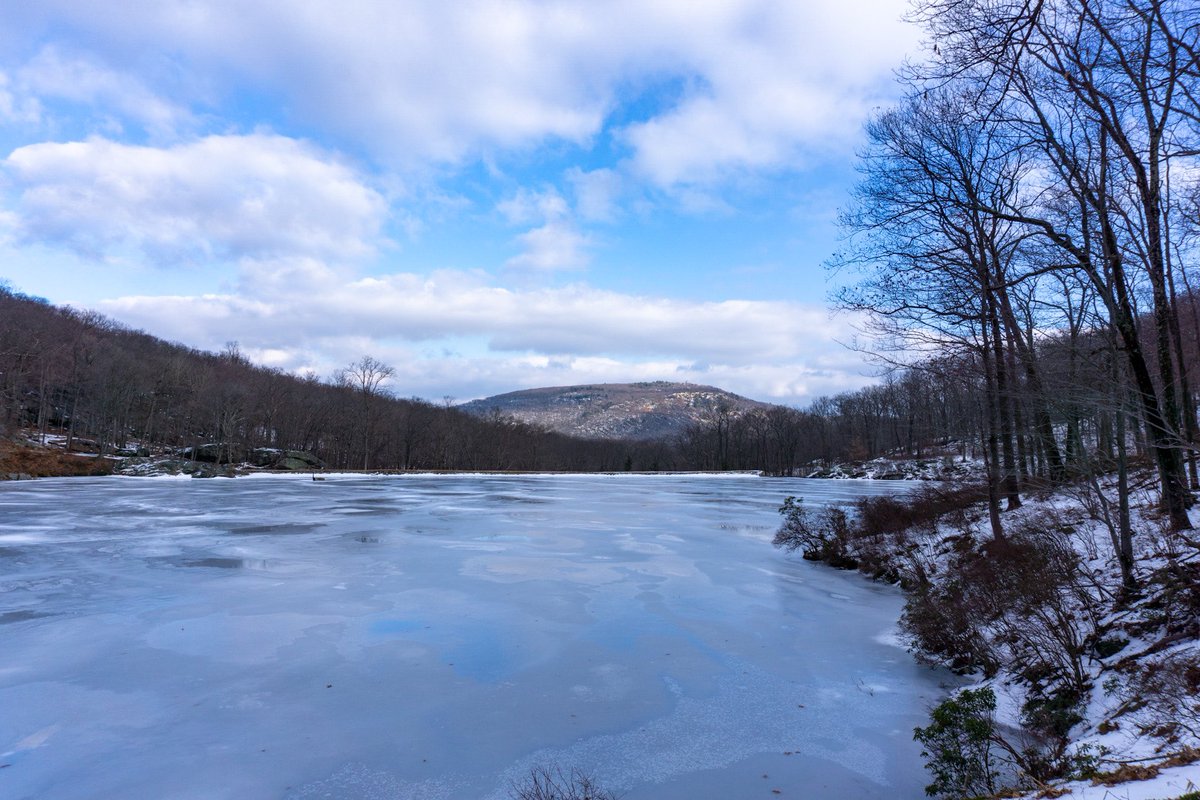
[1126, 751]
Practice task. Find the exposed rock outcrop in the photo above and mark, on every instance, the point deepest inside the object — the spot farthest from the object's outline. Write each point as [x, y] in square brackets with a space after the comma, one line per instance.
[656, 410]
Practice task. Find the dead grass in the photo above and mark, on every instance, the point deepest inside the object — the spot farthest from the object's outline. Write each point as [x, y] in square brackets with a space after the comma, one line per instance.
[1126, 773]
[1144, 772]
[41, 462]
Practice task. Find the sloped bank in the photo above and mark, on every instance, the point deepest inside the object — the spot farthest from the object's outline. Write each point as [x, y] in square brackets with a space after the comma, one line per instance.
[23, 461]
[1081, 684]
[57, 456]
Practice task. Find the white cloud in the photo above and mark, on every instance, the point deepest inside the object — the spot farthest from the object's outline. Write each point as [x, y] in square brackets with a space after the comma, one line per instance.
[76, 78]
[8, 224]
[456, 333]
[256, 196]
[765, 80]
[596, 193]
[701, 141]
[467, 378]
[15, 106]
[528, 206]
[621, 102]
[781, 82]
[557, 245]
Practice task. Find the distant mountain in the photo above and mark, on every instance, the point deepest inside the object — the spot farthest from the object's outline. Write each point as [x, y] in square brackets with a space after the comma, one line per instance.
[614, 410]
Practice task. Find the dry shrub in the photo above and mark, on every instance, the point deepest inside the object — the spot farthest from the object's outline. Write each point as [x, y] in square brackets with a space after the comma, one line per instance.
[1030, 590]
[922, 508]
[1168, 691]
[1017, 600]
[881, 538]
[878, 516]
[942, 628]
[554, 783]
[824, 534]
[1175, 603]
[873, 537]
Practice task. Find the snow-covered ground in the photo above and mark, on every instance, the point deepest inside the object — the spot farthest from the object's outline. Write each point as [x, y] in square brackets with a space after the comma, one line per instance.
[1117, 725]
[1170, 783]
[1109, 725]
[435, 636]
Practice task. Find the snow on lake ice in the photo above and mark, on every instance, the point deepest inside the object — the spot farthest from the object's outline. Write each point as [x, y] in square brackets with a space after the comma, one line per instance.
[433, 637]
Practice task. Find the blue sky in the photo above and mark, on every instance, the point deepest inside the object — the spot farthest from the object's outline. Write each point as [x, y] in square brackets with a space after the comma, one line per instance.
[487, 194]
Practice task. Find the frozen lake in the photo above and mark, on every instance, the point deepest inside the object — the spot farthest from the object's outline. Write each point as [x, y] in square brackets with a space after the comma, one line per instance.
[432, 637]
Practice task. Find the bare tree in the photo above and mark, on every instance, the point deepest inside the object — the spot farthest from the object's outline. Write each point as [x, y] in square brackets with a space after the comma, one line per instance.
[365, 377]
[935, 260]
[1103, 91]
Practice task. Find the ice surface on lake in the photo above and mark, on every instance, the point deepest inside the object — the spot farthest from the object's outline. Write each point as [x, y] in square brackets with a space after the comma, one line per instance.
[434, 637]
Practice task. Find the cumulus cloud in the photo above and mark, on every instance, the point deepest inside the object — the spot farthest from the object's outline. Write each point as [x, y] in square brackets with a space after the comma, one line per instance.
[623, 104]
[53, 73]
[700, 141]
[452, 326]
[254, 196]
[557, 245]
[780, 83]
[430, 80]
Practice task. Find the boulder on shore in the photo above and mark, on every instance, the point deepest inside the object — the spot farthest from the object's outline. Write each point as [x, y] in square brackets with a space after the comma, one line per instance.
[263, 456]
[214, 453]
[299, 460]
[211, 460]
[173, 466]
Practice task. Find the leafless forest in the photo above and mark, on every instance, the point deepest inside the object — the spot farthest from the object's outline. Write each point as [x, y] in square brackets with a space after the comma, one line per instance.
[1022, 240]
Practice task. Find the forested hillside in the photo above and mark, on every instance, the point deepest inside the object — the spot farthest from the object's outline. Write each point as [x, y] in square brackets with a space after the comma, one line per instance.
[89, 378]
[104, 386]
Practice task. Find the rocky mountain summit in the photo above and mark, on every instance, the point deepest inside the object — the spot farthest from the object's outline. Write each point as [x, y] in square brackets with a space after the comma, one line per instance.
[644, 411]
